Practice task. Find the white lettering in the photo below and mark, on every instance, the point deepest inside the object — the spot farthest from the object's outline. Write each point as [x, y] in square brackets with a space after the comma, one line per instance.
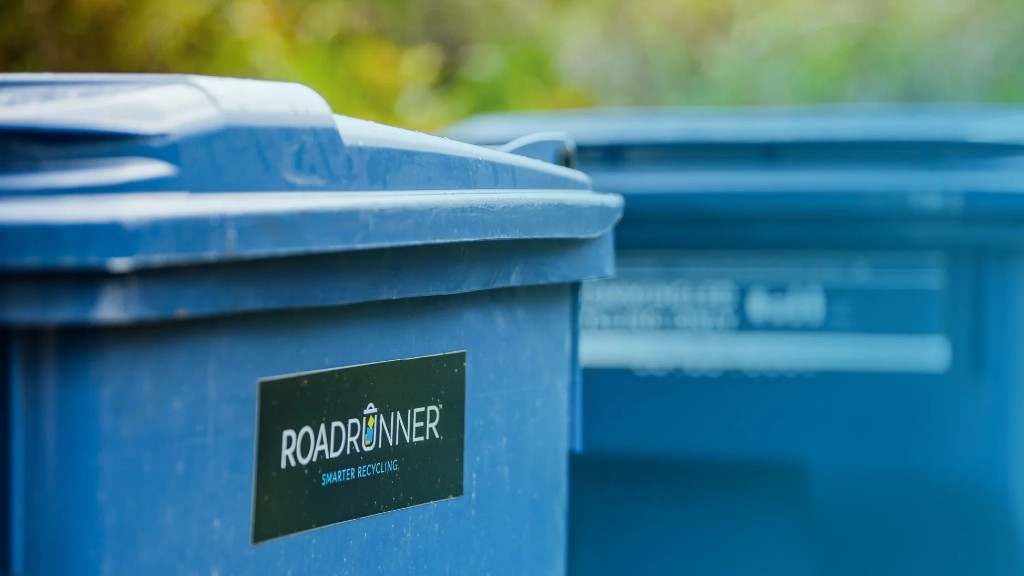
[432, 422]
[326, 441]
[321, 443]
[403, 426]
[305, 458]
[337, 448]
[384, 429]
[288, 447]
[354, 434]
[417, 424]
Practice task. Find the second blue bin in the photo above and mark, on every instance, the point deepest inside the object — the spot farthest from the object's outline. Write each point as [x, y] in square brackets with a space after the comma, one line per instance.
[811, 359]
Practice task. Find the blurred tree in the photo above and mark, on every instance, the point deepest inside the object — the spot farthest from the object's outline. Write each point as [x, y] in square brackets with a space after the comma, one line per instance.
[426, 63]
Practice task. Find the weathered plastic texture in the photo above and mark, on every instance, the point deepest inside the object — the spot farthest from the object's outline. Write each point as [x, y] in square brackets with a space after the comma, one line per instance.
[810, 360]
[165, 241]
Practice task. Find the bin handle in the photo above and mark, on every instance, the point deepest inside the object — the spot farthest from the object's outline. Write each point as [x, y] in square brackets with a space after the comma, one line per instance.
[556, 148]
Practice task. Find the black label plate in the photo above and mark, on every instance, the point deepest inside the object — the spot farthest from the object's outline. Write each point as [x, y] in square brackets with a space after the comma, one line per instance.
[346, 443]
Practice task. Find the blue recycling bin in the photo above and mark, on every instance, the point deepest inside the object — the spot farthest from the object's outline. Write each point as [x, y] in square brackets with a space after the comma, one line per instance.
[241, 335]
[810, 360]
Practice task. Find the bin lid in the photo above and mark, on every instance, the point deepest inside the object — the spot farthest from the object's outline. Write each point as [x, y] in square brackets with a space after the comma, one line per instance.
[808, 161]
[123, 172]
[84, 133]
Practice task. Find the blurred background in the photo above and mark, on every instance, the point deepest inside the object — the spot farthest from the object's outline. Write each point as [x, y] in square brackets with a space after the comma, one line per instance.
[424, 64]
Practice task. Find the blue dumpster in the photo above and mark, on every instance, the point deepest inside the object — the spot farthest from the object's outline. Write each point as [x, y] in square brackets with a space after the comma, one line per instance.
[810, 360]
[240, 334]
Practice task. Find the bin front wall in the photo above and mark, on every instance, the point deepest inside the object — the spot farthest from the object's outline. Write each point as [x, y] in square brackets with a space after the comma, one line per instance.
[133, 447]
[828, 410]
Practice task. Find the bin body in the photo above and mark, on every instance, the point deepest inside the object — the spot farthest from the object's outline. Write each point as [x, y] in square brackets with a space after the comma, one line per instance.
[169, 314]
[814, 335]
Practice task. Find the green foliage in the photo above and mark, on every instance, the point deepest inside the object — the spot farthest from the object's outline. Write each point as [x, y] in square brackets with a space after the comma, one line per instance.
[425, 64]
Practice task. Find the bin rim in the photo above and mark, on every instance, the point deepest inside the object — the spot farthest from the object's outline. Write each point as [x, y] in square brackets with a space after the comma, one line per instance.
[124, 232]
[826, 123]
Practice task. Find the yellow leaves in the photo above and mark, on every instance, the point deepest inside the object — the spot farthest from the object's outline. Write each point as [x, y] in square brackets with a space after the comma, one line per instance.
[426, 64]
[375, 62]
[320, 22]
[421, 64]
